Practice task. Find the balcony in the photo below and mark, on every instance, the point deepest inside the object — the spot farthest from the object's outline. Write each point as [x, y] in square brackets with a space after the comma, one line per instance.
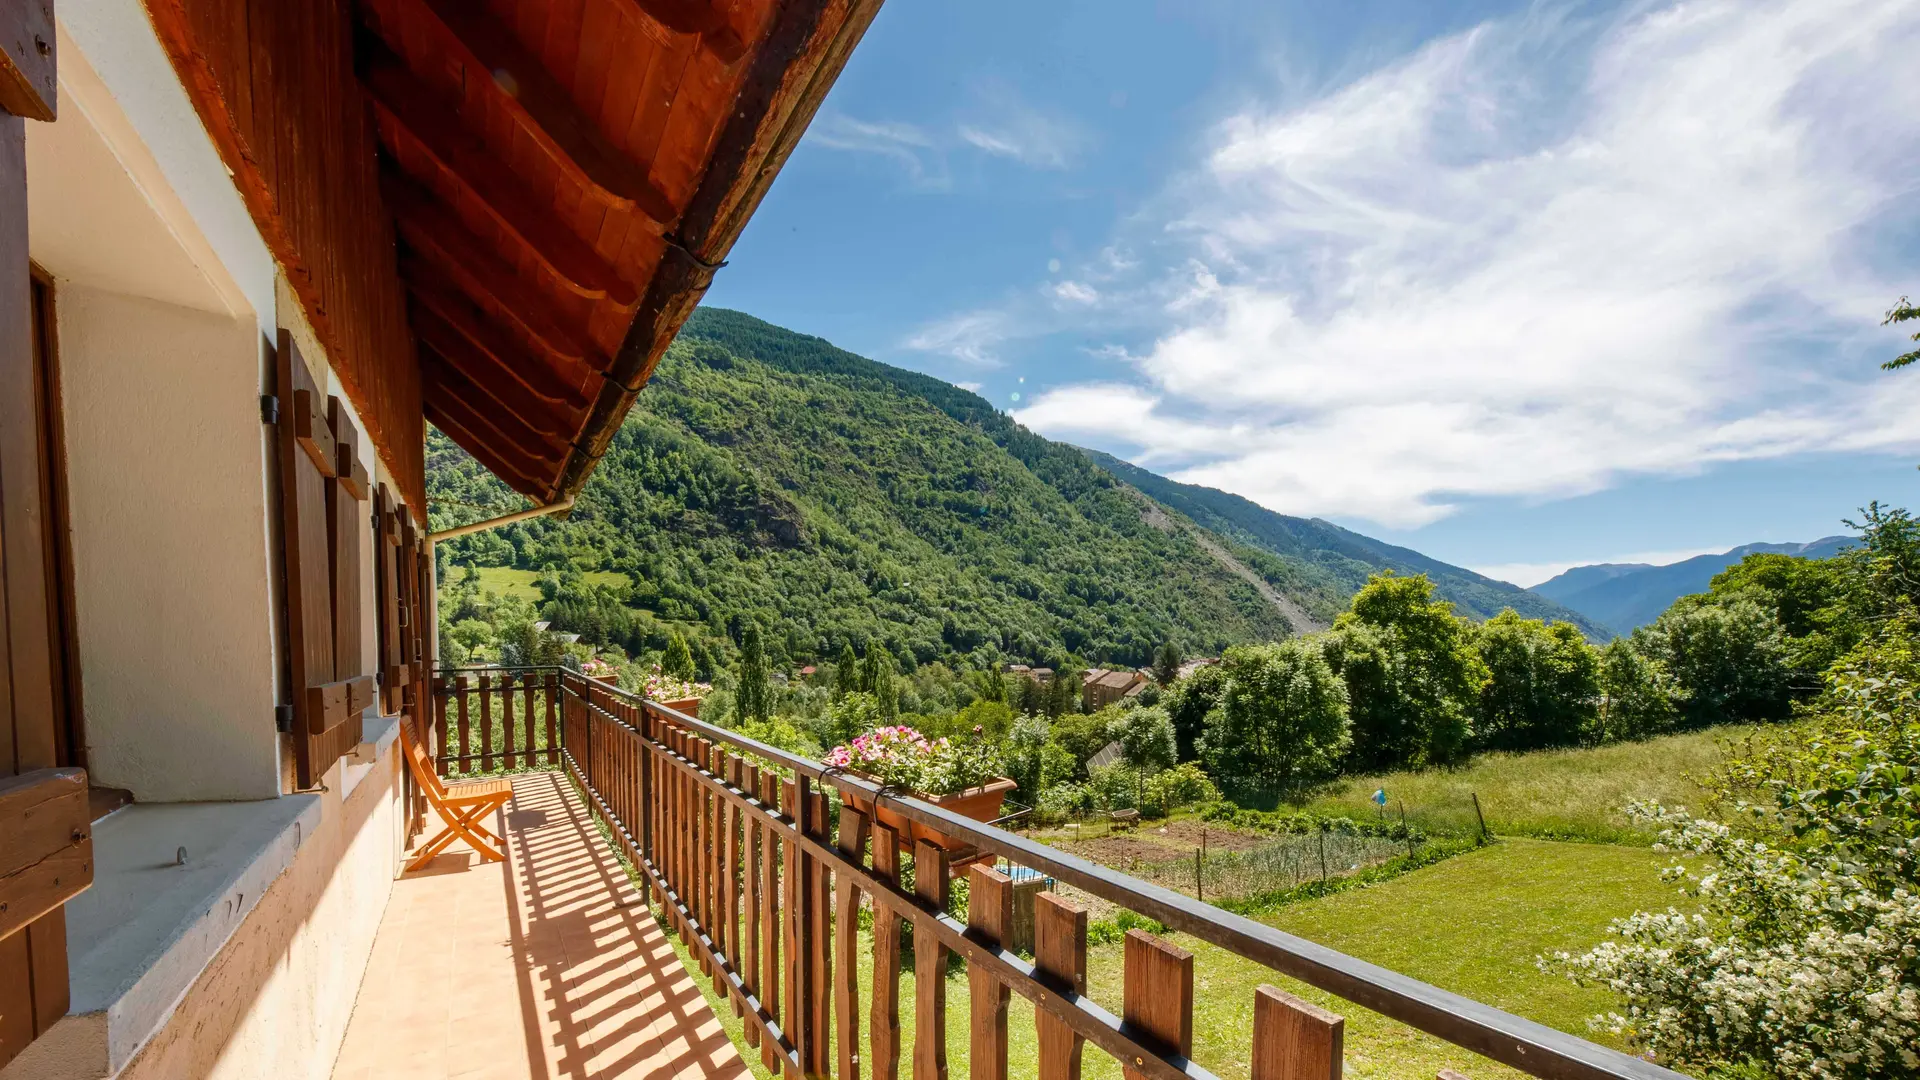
[799, 914]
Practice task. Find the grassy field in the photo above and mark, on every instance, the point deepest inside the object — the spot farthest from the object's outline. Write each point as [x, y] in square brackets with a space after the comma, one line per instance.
[1556, 794]
[504, 581]
[1473, 924]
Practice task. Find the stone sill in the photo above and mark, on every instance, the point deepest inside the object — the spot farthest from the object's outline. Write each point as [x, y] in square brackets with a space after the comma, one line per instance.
[140, 937]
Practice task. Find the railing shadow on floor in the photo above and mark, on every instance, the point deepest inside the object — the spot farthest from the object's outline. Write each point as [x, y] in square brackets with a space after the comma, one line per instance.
[634, 1004]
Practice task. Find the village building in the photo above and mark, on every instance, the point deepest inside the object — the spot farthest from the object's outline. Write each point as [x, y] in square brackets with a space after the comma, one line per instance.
[1099, 689]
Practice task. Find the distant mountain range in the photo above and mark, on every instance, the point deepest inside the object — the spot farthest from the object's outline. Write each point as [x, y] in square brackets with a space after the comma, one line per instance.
[1347, 556]
[1623, 596]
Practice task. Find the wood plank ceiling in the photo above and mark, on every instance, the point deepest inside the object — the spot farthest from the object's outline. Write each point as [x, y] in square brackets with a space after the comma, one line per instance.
[564, 177]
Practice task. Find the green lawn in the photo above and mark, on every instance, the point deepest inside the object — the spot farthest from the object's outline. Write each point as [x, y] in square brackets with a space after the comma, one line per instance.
[1472, 924]
[1562, 794]
[504, 581]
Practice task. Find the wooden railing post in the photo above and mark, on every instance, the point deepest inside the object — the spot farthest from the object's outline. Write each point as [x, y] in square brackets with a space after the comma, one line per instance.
[884, 1021]
[846, 939]
[1060, 952]
[466, 731]
[817, 882]
[553, 734]
[486, 722]
[989, 914]
[771, 939]
[1158, 992]
[507, 680]
[929, 966]
[1294, 1039]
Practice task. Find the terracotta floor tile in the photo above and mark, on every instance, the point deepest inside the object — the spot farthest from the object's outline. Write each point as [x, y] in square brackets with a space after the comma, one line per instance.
[534, 970]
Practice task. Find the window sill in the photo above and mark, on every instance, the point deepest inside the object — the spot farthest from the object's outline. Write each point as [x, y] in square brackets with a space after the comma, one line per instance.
[151, 924]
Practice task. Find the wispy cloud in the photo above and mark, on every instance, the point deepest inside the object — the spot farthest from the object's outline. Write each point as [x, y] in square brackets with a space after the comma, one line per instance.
[998, 123]
[971, 337]
[1005, 125]
[1470, 273]
[906, 144]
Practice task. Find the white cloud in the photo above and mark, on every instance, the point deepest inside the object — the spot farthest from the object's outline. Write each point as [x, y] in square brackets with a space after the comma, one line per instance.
[970, 387]
[970, 337]
[1074, 292]
[1534, 257]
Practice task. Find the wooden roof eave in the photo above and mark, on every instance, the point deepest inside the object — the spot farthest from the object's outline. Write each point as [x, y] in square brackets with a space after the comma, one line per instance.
[802, 56]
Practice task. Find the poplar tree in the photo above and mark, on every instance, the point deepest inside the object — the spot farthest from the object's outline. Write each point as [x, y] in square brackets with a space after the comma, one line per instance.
[753, 698]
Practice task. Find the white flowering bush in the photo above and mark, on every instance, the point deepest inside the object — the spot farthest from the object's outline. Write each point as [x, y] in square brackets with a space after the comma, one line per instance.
[1801, 956]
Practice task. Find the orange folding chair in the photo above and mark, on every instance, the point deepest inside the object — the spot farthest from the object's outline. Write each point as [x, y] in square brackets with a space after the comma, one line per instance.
[461, 805]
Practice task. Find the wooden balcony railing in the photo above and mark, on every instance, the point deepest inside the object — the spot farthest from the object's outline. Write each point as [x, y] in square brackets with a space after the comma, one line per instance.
[761, 873]
[493, 719]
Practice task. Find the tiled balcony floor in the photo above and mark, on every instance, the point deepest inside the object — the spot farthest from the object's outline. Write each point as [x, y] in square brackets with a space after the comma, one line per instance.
[547, 967]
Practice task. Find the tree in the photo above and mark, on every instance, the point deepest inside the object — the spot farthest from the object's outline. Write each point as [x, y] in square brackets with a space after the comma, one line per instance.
[1902, 312]
[879, 679]
[678, 660]
[1543, 684]
[1636, 696]
[1806, 596]
[1188, 705]
[472, 633]
[1166, 664]
[1063, 693]
[849, 672]
[1727, 659]
[753, 697]
[1410, 671]
[1282, 721]
[1146, 739]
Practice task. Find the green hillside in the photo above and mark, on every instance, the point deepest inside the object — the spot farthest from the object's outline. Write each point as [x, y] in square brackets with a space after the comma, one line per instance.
[844, 501]
[1345, 555]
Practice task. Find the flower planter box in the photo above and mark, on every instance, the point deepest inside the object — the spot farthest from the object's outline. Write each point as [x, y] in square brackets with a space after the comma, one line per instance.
[689, 706]
[981, 804]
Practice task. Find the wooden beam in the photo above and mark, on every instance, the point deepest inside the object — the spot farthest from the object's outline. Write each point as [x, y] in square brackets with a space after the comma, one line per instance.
[551, 425]
[416, 110]
[437, 233]
[791, 71]
[548, 113]
[699, 17]
[46, 844]
[503, 418]
[483, 451]
[29, 84]
[436, 295]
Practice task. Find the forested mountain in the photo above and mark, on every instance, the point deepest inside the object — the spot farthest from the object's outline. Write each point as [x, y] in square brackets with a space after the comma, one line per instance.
[841, 501]
[1345, 556]
[1623, 596]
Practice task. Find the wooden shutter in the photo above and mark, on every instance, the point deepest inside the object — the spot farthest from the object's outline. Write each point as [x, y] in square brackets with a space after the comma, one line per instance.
[395, 676]
[46, 854]
[319, 540]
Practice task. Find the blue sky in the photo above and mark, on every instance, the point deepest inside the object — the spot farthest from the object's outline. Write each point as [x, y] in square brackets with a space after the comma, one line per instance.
[1520, 285]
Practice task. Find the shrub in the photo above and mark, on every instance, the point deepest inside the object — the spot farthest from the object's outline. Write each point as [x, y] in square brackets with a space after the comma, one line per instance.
[1183, 785]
